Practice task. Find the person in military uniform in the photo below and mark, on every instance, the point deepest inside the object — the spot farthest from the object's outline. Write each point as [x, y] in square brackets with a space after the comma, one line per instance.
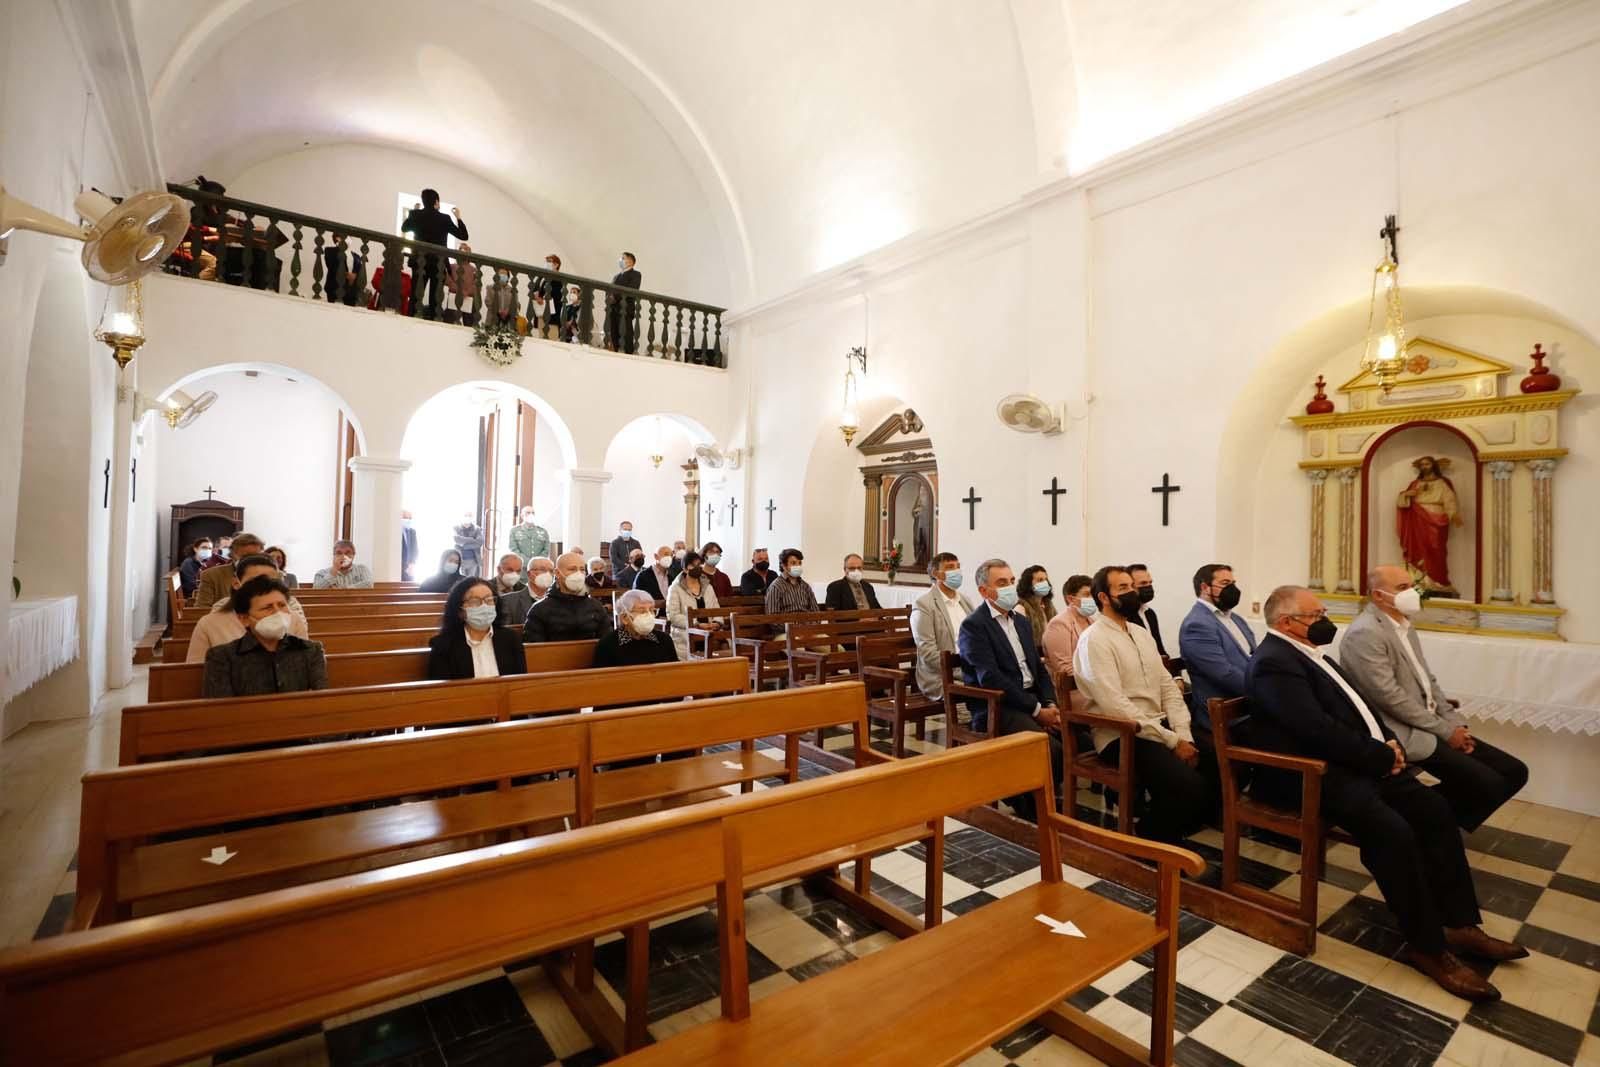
[528, 539]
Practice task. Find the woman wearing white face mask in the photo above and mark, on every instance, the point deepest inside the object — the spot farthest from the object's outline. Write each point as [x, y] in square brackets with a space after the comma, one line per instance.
[636, 640]
[471, 643]
[449, 572]
[711, 567]
[1061, 633]
[268, 658]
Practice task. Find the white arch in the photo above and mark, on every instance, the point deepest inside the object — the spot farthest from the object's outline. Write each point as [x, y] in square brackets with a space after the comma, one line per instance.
[275, 369]
[544, 16]
[558, 425]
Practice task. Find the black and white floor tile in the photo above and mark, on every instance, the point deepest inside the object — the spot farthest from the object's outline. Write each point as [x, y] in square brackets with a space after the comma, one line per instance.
[1239, 1001]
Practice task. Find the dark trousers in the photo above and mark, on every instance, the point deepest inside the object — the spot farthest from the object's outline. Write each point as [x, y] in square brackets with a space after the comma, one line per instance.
[1181, 796]
[427, 277]
[621, 326]
[1015, 722]
[1408, 839]
[1476, 784]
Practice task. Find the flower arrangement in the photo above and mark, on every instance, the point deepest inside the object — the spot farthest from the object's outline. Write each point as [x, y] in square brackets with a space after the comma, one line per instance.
[892, 564]
[500, 345]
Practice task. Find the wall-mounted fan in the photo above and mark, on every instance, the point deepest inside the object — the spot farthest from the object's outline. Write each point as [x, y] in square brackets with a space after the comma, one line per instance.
[125, 241]
[180, 409]
[1028, 414]
[716, 459]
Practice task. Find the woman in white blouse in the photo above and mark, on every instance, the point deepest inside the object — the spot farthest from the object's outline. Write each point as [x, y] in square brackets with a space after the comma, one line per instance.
[691, 589]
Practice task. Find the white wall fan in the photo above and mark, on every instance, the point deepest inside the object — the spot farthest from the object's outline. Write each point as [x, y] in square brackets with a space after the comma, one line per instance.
[716, 459]
[1026, 413]
[180, 409]
[124, 242]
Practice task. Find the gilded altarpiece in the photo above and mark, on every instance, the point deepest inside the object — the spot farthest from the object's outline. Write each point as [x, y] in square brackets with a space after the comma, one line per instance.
[1452, 472]
[901, 481]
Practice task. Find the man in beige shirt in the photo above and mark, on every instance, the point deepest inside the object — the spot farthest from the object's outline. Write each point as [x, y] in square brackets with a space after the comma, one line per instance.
[221, 626]
[1119, 670]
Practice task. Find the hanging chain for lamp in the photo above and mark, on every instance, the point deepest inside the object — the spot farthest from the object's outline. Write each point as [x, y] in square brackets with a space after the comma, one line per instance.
[1384, 354]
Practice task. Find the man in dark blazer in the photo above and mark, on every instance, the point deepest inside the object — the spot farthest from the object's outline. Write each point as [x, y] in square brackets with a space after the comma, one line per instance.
[620, 313]
[1302, 703]
[850, 593]
[1216, 645]
[623, 546]
[656, 579]
[346, 272]
[1145, 586]
[998, 647]
[754, 581]
[430, 225]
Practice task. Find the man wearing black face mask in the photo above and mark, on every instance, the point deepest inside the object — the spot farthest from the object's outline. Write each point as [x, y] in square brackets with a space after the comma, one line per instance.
[1145, 586]
[754, 581]
[1216, 644]
[1302, 703]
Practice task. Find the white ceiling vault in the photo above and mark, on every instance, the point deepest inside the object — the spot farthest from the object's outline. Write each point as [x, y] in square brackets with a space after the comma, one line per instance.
[768, 140]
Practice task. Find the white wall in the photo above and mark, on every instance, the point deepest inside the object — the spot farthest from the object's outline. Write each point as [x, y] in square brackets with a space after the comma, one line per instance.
[357, 183]
[649, 497]
[267, 445]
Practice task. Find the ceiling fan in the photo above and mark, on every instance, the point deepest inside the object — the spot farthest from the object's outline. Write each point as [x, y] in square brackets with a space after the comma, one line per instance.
[126, 240]
[180, 409]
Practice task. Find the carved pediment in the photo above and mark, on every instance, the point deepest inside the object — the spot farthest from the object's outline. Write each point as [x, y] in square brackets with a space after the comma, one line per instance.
[897, 432]
[1433, 372]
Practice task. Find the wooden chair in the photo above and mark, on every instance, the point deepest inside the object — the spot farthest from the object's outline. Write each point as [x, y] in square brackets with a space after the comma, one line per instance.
[888, 667]
[824, 650]
[950, 663]
[1241, 809]
[1077, 763]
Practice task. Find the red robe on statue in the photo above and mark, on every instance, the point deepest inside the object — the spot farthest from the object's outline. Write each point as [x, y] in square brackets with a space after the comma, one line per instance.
[1424, 533]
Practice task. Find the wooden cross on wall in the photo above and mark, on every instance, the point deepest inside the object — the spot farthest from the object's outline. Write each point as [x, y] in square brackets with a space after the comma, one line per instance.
[210, 492]
[105, 499]
[711, 511]
[771, 507]
[733, 510]
[1054, 493]
[972, 500]
[1166, 489]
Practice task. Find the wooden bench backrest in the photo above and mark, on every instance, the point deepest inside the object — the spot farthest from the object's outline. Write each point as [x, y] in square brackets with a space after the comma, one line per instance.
[173, 986]
[763, 625]
[800, 635]
[160, 731]
[895, 649]
[345, 643]
[646, 731]
[182, 681]
[323, 625]
[174, 597]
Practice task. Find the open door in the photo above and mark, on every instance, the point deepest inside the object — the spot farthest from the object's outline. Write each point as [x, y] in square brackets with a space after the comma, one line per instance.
[344, 479]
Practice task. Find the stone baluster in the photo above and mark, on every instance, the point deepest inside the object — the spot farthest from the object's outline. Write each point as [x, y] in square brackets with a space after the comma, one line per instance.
[294, 264]
[316, 266]
[364, 275]
[652, 316]
[1543, 530]
[393, 264]
[1500, 493]
[1348, 476]
[716, 344]
[585, 329]
[1319, 511]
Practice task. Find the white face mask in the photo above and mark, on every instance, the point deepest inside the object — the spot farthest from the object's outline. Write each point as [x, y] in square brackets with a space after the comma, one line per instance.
[642, 623]
[713, 559]
[574, 582]
[202, 554]
[627, 532]
[854, 576]
[679, 553]
[344, 563]
[1408, 602]
[663, 562]
[274, 626]
[543, 580]
[796, 570]
[509, 579]
[527, 518]
[481, 617]
[451, 567]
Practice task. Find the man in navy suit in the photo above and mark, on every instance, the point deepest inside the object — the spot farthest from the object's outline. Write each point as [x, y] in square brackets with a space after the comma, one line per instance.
[1216, 644]
[1304, 704]
[998, 646]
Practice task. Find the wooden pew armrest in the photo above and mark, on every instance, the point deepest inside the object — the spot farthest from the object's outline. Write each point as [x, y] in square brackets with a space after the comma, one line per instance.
[803, 661]
[877, 677]
[991, 697]
[1162, 855]
[1299, 764]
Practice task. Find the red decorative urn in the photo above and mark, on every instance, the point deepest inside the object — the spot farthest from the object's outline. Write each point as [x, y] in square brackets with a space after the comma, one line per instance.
[1320, 404]
[1539, 380]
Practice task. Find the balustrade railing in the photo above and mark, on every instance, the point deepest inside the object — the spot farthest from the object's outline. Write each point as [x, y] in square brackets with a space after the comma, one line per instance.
[235, 242]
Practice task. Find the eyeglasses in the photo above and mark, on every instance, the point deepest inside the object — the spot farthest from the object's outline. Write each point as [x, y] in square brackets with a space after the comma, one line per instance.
[1313, 615]
[477, 601]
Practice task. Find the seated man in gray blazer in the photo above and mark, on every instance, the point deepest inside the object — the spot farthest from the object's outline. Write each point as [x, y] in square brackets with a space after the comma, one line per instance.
[1384, 659]
[936, 620]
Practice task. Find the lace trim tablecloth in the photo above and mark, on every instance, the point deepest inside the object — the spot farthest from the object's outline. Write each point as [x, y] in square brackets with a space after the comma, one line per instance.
[41, 636]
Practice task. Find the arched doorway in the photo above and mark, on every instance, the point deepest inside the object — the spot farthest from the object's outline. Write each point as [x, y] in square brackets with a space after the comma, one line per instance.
[658, 485]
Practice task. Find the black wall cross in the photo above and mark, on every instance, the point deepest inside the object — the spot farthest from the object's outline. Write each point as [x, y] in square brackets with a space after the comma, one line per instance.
[733, 510]
[771, 507]
[1166, 489]
[711, 511]
[972, 500]
[1054, 493]
[210, 492]
[105, 499]
[136, 481]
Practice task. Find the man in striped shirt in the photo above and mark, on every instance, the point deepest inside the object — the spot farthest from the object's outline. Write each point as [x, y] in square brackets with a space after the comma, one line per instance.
[790, 592]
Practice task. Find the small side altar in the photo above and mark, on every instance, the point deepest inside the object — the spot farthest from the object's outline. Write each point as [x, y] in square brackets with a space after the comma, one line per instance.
[41, 638]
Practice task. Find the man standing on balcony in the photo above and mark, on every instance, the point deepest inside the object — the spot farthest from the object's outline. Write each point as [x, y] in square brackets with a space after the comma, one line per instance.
[430, 225]
[620, 312]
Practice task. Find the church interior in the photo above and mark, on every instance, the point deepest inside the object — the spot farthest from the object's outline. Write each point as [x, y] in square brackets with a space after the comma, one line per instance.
[553, 533]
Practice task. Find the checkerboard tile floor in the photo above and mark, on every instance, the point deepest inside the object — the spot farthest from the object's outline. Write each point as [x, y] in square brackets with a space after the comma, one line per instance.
[1239, 1000]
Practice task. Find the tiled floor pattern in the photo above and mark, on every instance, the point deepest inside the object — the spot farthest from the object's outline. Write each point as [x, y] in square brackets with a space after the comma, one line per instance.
[1239, 1001]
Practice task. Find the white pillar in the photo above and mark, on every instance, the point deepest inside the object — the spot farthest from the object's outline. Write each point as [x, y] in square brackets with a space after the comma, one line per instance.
[375, 515]
[119, 606]
[584, 486]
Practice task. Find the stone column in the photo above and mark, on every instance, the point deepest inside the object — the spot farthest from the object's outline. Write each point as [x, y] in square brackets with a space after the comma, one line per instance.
[375, 514]
[1544, 582]
[584, 486]
[1348, 476]
[693, 536]
[1319, 511]
[873, 483]
[1500, 475]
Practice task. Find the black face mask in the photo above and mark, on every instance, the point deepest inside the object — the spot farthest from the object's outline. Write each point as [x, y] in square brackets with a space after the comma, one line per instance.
[1321, 632]
[637, 561]
[1127, 605]
[763, 566]
[1228, 599]
[1147, 594]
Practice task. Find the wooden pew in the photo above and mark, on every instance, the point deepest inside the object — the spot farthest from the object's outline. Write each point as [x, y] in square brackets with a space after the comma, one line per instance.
[825, 650]
[182, 681]
[304, 954]
[120, 867]
[761, 638]
[1086, 763]
[888, 667]
[342, 643]
[367, 620]
[166, 731]
[175, 598]
[706, 641]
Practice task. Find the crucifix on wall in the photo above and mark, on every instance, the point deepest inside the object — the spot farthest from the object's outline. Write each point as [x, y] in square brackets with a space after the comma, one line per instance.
[771, 507]
[733, 510]
[1166, 489]
[1054, 493]
[711, 511]
[972, 500]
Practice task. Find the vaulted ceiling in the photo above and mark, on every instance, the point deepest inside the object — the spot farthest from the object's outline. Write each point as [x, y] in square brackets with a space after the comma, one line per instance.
[768, 140]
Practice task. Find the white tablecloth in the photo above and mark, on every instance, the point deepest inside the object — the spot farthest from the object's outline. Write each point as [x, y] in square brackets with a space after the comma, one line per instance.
[1546, 685]
[41, 636]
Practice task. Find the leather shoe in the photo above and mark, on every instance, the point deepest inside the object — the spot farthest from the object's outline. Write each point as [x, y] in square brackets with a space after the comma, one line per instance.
[1474, 942]
[1453, 976]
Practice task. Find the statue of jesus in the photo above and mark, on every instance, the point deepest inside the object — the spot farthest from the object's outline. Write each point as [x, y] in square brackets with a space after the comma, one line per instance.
[1426, 510]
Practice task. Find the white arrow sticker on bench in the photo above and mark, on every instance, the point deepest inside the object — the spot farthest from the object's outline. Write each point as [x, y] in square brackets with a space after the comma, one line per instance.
[1067, 929]
[219, 856]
